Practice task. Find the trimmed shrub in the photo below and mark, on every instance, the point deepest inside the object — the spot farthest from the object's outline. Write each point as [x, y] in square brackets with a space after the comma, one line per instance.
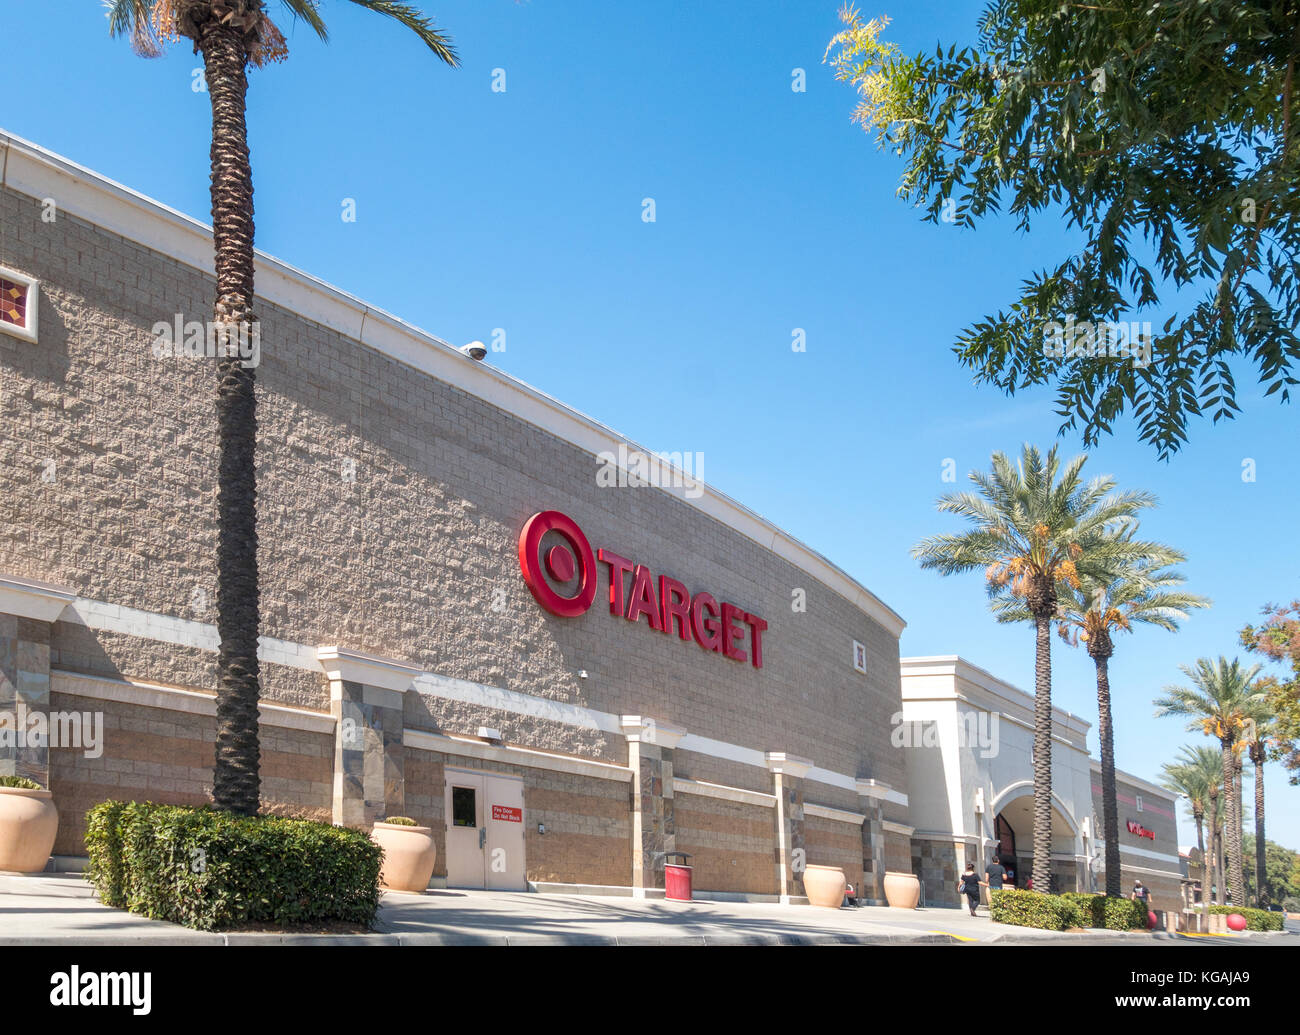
[1071, 909]
[21, 783]
[104, 847]
[1031, 909]
[212, 870]
[1256, 919]
[1112, 914]
[1121, 914]
[1086, 910]
[400, 821]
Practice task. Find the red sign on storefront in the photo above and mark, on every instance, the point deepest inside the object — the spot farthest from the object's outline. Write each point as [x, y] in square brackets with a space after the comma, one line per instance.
[666, 604]
[507, 814]
[1134, 827]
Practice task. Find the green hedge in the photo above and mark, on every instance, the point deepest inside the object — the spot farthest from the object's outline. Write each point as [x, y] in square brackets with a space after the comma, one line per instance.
[1058, 912]
[20, 783]
[1112, 914]
[1030, 909]
[1256, 919]
[213, 870]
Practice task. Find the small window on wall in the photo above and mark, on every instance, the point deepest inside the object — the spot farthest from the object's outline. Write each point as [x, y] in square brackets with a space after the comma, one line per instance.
[859, 658]
[19, 303]
[1139, 803]
[463, 810]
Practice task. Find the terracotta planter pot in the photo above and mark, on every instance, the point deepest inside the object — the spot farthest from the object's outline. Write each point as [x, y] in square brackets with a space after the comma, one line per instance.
[902, 890]
[825, 886]
[409, 855]
[28, 823]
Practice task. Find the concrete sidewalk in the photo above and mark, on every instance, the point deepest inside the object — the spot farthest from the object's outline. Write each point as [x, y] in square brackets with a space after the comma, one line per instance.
[59, 909]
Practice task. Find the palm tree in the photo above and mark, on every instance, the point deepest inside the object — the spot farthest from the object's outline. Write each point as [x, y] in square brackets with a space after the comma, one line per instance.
[1216, 834]
[1219, 701]
[1144, 591]
[1257, 737]
[233, 35]
[1037, 526]
[1197, 774]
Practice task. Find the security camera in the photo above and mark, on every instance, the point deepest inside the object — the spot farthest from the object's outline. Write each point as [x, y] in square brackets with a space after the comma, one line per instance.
[474, 350]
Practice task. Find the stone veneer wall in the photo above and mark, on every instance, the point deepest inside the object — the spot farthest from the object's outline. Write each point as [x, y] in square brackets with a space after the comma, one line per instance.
[732, 844]
[163, 755]
[832, 842]
[939, 864]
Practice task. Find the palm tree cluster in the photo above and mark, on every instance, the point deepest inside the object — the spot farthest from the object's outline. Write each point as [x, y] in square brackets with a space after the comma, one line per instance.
[1226, 702]
[1054, 549]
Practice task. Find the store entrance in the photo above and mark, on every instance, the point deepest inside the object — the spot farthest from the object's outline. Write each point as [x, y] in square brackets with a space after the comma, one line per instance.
[485, 830]
[1006, 851]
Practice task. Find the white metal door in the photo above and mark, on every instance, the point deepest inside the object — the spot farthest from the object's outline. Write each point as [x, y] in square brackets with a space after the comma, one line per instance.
[504, 812]
[485, 830]
[466, 834]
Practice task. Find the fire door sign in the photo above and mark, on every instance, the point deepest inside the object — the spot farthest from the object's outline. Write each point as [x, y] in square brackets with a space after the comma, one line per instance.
[507, 814]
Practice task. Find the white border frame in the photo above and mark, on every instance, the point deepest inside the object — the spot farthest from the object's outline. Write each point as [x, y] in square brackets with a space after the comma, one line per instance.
[859, 648]
[32, 331]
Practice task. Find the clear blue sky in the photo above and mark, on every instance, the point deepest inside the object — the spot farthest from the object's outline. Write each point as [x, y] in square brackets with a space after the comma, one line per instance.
[522, 210]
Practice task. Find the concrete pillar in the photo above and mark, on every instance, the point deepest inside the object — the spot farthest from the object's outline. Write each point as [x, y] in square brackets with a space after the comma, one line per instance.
[872, 794]
[651, 744]
[366, 702]
[788, 772]
[28, 609]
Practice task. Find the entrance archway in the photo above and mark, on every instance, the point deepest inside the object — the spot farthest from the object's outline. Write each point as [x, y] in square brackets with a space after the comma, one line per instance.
[1013, 829]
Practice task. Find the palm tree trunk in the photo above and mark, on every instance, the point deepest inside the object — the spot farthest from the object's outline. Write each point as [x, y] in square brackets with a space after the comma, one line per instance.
[235, 778]
[1237, 783]
[1042, 868]
[1221, 864]
[1199, 819]
[1261, 874]
[1109, 805]
[1231, 824]
[1211, 859]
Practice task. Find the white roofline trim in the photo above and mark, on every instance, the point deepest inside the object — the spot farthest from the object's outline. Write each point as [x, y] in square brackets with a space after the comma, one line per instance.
[958, 667]
[32, 170]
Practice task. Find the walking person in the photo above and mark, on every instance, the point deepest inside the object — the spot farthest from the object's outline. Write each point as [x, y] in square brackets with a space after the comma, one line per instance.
[969, 885]
[1141, 893]
[996, 874]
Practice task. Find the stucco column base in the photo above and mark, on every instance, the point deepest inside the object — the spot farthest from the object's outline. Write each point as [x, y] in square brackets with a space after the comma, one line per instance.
[28, 609]
[872, 795]
[650, 749]
[366, 702]
[788, 772]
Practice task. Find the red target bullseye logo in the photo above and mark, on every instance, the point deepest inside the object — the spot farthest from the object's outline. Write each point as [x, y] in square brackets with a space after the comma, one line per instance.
[561, 563]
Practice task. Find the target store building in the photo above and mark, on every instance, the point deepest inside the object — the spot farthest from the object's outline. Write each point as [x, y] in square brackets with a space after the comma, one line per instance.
[565, 676]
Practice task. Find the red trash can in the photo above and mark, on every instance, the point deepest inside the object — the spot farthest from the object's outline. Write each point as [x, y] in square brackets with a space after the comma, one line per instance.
[677, 878]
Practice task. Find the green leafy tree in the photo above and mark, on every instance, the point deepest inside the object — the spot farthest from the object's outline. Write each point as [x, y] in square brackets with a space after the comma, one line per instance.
[1278, 639]
[1034, 527]
[1220, 701]
[1279, 864]
[1144, 591]
[1164, 135]
[232, 36]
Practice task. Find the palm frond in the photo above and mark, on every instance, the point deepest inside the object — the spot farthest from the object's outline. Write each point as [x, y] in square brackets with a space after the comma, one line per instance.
[307, 11]
[134, 18]
[420, 24]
